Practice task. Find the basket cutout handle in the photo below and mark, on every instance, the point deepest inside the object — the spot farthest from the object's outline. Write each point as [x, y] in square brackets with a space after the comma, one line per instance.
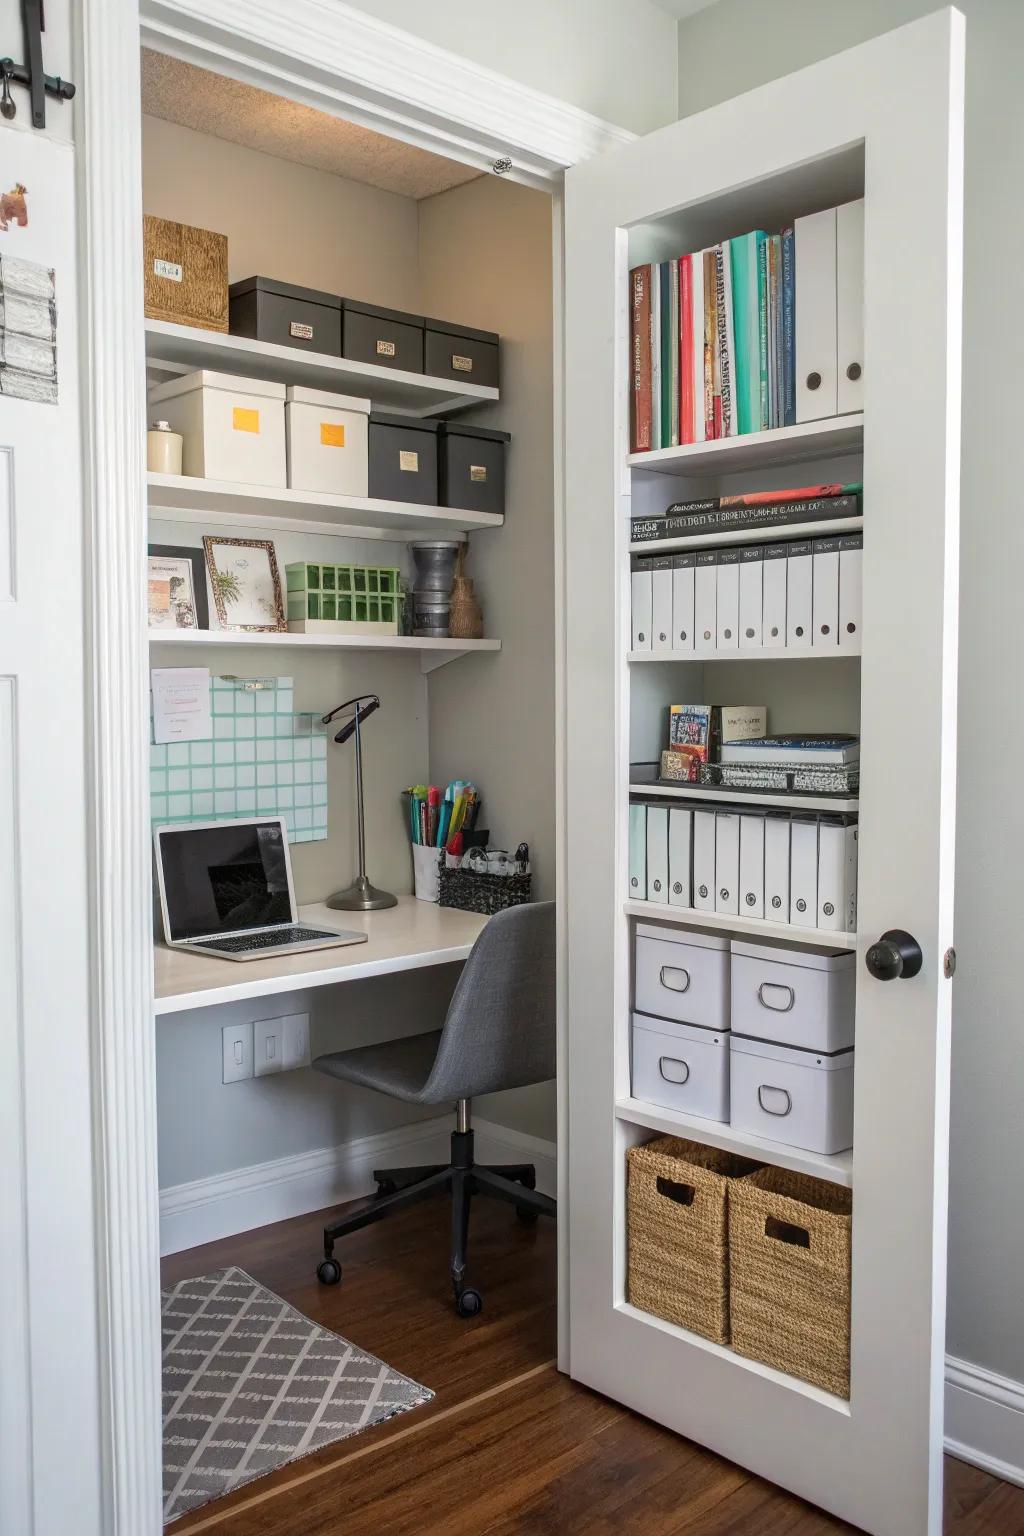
[774, 1101]
[680, 1194]
[769, 989]
[673, 1070]
[668, 978]
[787, 1232]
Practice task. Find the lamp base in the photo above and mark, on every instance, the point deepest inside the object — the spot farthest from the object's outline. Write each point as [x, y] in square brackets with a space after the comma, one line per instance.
[361, 896]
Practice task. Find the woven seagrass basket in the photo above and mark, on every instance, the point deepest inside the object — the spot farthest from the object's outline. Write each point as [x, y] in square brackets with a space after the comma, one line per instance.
[677, 1200]
[789, 1275]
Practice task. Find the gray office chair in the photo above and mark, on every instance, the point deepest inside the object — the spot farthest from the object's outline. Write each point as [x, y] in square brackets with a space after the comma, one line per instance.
[499, 1033]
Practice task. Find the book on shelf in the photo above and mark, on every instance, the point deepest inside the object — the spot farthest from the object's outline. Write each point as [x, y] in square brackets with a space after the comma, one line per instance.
[793, 751]
[716, 514]
[812, 780]
[713, 341]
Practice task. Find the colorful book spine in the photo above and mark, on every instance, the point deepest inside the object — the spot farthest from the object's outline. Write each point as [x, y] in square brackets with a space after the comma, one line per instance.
[697, 325]
[686, 397]
[712, 374]
[656, 438]
[788, 329]
[640, 358]
[743, 261]
[764, 415]
[672, 348]
[726, 338]
[780, 396]
[666, 349]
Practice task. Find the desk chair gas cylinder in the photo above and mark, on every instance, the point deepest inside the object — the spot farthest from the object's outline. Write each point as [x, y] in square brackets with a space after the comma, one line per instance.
[499, 1033]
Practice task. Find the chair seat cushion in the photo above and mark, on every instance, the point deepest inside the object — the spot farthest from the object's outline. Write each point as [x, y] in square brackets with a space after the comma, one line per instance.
[399, 1068]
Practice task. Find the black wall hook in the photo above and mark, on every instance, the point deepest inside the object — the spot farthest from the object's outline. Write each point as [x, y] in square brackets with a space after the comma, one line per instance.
[39, 83]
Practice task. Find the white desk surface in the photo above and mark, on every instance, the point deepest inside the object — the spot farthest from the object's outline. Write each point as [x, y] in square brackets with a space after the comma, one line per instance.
[403, 938]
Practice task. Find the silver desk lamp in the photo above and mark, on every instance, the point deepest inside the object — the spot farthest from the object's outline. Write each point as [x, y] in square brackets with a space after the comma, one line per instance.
[361, 895]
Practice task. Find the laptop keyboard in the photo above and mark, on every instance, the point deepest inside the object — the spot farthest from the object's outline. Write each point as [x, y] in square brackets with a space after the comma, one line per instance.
[276, 940]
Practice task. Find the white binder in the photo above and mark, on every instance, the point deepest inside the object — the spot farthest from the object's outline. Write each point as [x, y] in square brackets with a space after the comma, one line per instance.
[751, 597]
[850, 306]
[776, 868]
[773, 596]
[727, 862]
[815, 250]
[837, 877]
[727, 615]
[680, 840]
[752, 865]
[661, 603]
[682, 602]
[825, 589]
[704, 861]
[705, 584]
[798, 593]
[657, 853]
[803, 873]
[637, 851]
[641, 602]
[851, 562]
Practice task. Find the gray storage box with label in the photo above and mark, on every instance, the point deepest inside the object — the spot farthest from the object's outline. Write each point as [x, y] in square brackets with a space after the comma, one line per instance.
[266, 310]
[682, 974]
[681, 1066]
[802, 1098]
[457, 352]
[403, 458]
[388, 338]
[800, 997]
[472, 467]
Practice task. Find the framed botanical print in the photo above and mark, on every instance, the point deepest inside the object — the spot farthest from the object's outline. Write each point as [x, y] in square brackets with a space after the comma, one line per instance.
[176, 588]
[246, 583]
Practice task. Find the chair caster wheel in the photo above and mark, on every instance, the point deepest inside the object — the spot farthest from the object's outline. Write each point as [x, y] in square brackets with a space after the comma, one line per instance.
[525, 1217]
[468, 1303]
[328, 1272]
[386, 1187]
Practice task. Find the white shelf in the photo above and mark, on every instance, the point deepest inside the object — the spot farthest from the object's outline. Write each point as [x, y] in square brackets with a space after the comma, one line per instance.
[186, 498]
[757, 927]
[758, 450]
[176, 349]
[837, 1168]
[432, 653]
[762, 797]
[781, 532]
[764, 653]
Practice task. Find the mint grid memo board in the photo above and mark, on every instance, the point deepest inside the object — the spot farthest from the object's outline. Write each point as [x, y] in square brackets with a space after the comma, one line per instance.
[263, 760]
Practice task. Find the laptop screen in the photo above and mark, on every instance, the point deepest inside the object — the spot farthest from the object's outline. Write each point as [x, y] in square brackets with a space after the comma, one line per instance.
[225, 879]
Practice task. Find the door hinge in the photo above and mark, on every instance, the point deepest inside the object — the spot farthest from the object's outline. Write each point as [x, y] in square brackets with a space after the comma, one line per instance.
[949, 963]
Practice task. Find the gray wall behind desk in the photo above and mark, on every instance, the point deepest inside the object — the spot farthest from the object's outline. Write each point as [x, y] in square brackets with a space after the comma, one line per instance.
[732, 47]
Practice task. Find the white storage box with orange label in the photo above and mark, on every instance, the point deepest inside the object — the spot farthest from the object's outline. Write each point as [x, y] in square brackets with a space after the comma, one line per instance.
[233, 428]
[327, 441]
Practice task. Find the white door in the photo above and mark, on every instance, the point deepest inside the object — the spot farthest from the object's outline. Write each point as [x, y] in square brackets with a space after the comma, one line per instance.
[883, 121]
[50, 1453]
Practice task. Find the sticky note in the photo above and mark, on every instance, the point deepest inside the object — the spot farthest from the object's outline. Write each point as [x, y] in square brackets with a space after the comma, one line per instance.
[244, 419]
[332, 434]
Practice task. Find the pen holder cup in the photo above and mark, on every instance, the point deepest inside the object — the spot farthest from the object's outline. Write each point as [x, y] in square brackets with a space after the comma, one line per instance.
[425, 871]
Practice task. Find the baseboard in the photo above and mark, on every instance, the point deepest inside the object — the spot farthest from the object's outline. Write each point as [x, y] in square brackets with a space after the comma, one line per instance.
[985, 1419]
[207, 1209]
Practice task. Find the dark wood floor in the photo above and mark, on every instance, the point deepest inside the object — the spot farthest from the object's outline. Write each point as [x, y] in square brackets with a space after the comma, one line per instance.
[508, 1446]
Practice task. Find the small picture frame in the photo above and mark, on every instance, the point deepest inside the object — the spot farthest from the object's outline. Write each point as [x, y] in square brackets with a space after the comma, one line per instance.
[246, 583]
[176, 587]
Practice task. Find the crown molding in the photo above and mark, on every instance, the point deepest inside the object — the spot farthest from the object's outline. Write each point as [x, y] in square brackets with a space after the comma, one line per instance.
[334, 57]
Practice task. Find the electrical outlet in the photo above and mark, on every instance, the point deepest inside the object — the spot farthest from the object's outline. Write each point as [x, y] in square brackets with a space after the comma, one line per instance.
[236, 1040]
[267, 1050]
[295, 1029]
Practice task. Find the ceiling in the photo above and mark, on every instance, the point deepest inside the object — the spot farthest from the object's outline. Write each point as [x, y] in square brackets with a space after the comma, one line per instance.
[195, 98]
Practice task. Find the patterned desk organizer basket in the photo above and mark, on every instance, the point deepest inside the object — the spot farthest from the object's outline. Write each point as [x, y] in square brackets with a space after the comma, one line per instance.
[678, 1221]
[343, 599]
[473, 892]
[789, 1264]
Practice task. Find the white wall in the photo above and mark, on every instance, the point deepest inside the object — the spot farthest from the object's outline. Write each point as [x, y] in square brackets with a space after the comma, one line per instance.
[614, 58]
[734, 46]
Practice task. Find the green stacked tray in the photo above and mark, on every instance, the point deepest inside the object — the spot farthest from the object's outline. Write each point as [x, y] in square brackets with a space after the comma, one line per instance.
[344, 599]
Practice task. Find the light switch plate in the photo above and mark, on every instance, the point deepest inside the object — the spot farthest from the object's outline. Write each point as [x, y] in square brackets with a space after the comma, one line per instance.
[267, 1046]
[237, 1046]
[296, 1040]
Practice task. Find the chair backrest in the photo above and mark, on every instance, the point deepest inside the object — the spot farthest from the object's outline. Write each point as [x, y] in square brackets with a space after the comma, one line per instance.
[500, 1028]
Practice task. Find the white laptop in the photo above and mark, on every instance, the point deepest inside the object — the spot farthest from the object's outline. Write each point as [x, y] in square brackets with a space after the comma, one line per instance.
[226, 889]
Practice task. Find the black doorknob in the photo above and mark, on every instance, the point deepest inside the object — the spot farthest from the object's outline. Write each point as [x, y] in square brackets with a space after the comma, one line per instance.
[897, 954]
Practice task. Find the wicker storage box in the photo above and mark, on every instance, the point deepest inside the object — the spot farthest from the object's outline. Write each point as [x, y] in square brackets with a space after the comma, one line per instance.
[186, 279]
[789, 1267]
[677, 1201]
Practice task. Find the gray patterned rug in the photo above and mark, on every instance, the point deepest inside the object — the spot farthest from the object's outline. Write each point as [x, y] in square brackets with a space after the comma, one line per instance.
[249, 1384]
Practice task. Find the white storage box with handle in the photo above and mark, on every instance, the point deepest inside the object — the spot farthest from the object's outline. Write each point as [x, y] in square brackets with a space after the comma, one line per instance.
[682, 975]
[800, 997]
[802, 1098]
[327, 442]
[681, 1066]
[233, 428]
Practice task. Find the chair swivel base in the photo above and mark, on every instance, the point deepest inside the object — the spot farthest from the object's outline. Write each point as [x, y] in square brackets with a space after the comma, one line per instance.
[398, 1187]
